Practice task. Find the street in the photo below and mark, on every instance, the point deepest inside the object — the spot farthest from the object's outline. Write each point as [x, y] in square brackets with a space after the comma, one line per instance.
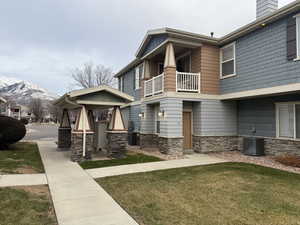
[41, 132]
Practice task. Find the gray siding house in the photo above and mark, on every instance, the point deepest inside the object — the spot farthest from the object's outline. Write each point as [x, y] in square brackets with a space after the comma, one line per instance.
[200, 93]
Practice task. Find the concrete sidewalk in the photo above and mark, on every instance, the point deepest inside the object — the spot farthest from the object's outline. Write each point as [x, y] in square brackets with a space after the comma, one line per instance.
[22, 180]
[191, 160]
[77, 198]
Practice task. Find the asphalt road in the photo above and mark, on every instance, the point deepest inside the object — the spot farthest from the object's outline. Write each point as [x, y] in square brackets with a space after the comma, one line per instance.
[41, 132]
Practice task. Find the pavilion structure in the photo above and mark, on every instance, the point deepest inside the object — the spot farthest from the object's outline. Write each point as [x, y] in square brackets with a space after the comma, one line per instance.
[80, 138]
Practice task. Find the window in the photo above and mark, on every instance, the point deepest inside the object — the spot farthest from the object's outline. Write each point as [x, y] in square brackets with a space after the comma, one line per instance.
[160, 68]
[157, 119]
[298, 35]
[288, 120]
[121, 83]
[227, 60]
[137, 78]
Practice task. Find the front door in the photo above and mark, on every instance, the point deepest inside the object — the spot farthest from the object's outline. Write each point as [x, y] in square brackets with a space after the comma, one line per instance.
[187, 130]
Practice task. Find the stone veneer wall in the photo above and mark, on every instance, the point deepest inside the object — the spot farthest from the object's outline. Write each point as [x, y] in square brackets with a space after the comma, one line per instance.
[77, 147]
[117, 141]
[205, 144]
[148, 140]
[171, 146]
[64, 138]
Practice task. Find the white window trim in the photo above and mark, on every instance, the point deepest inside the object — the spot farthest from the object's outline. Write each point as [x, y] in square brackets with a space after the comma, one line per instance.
[277, 120]
[158, 66]
[234, 58]
[121, 83]
[156, 118]
[297, 17]
[135, 78]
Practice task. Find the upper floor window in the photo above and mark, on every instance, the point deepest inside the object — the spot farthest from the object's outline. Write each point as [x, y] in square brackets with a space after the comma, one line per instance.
[227, 61]
[137, 78]
[298, 35]
[121, 83]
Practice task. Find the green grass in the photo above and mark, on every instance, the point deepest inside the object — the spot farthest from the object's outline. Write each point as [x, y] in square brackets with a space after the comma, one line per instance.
[28, 206]
[222, 194]
[22, 157]
[129, 159]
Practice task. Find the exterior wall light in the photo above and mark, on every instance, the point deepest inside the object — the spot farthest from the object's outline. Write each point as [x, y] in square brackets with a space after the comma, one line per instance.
[142, 115]
[161, 113]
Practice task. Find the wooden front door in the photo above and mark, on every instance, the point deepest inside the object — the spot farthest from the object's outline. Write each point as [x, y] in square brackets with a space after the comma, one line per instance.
[187, 130]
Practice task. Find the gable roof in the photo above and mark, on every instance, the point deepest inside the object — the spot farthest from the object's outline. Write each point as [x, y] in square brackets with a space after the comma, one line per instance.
[256, 24]
[80, 97]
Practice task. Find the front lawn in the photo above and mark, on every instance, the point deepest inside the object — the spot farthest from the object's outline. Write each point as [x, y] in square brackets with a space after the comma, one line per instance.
[22, 157]
[30, 205]
[131, 158]
[221, 194]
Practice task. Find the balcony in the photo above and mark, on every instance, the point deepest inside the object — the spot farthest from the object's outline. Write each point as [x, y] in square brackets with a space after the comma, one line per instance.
[154, 86]
[185, 82]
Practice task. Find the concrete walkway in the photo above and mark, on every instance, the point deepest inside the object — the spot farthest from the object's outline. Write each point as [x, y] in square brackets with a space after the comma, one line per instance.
[22, 180]
[77, 198]
[191, 160]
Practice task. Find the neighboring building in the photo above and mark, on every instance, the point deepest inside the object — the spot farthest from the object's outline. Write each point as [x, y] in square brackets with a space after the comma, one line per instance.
[2, 106]
[194, 92]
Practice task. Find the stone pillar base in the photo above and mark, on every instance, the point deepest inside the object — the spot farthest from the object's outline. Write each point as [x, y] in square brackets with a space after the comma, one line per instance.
[171, 146]
[77, 147]
[64, 138]
[206, 144]
[117, 143]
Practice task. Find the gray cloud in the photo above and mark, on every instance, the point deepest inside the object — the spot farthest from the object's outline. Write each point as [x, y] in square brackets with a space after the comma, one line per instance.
[41, 40]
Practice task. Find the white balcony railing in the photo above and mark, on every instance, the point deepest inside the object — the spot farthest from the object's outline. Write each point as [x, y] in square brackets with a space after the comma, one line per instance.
[154, 86]
[187, 82]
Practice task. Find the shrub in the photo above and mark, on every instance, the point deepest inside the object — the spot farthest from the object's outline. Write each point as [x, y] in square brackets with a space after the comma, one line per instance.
[24, 121]
[289, 160]
[11, 131]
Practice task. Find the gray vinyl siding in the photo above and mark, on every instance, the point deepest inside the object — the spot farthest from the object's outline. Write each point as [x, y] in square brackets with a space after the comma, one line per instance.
[154, 42]
[147, 123]
[197, 118]
[171, 125]
[261, 60]
[134, 117]
[129, 82]
[217, 118]
[260, 114]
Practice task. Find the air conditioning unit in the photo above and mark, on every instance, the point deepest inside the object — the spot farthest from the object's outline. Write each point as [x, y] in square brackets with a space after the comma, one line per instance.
[253, 146]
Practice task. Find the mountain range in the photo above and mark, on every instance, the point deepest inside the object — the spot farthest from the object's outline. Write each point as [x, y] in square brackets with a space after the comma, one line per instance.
[22, 92]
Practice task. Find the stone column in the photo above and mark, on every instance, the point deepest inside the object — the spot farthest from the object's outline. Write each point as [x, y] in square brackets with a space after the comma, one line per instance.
[117, 143]
[64, 132]
[77, 149]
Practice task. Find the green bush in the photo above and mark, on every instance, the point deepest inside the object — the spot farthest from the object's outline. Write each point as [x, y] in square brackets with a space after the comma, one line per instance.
[11, 131]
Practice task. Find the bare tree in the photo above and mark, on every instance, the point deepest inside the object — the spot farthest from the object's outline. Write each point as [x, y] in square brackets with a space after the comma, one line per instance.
[36, 107]
[92, 76]
[55, 112]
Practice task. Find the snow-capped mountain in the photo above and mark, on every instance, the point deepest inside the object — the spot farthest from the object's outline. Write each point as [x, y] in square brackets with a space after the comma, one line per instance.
[22, 92]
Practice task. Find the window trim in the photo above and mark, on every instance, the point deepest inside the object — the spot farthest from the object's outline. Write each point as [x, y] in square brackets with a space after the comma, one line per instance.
[234, 61]
[278, 124]
[137, 81]
[121, 79]
[297, 17]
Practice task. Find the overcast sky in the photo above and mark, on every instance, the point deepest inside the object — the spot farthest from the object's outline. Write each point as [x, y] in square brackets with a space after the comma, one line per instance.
[42, 40]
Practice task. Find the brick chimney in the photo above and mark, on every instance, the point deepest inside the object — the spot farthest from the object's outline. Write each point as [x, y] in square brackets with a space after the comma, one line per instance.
[265, 7]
